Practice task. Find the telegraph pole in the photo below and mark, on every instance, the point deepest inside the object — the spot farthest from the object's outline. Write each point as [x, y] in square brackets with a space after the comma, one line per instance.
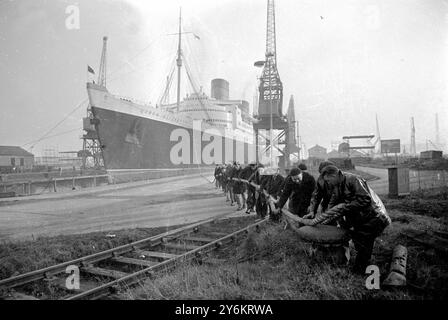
[179, 59]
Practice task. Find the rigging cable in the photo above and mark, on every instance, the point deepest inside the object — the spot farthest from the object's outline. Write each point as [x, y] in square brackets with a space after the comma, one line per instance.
[136, 55]
[195, 61]
[165, 96]
[54, 135]
[57, 125]
[187, 68]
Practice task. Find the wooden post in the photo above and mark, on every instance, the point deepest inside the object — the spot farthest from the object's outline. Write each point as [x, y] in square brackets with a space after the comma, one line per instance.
[397, 275]
[444, 178]
[29, 188]
[418, 174]
[54, 181]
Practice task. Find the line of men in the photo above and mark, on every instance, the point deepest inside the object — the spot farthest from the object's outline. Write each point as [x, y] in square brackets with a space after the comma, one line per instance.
[344, 200]
[252, 194]
[236, 191]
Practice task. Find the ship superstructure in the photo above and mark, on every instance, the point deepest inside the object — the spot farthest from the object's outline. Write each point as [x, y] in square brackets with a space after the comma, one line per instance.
[197, 130]
[204, 131]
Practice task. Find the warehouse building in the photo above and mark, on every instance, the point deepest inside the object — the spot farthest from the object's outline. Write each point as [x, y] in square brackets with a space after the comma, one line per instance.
[317, 152]
[431, 154]
[14, 159]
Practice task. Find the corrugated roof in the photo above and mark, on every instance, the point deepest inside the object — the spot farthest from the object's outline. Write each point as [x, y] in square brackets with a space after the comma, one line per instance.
[14, 151]
[317, 147]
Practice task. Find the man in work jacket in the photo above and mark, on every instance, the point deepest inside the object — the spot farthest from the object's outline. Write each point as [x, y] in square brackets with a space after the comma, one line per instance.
[248, 173]
[321, 194]
[217, 175]
[228, 189]
[358, 210]
[238, 187]
[261, 205]
[299, 188]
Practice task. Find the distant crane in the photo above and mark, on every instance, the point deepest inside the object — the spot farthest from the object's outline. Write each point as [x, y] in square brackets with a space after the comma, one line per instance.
[437, 130]
[377, 129]
[291, 146]
[377, 142]
[413, 150]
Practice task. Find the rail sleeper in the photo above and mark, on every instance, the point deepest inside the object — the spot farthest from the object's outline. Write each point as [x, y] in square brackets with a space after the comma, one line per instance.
[104, 272]
[180, 246]
[132, 261]
[155, 254]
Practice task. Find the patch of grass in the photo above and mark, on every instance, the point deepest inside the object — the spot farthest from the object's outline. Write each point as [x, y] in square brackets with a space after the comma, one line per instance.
[275, 264]
[431, 202]
[18, 257]
[270, 264]
[24, 256]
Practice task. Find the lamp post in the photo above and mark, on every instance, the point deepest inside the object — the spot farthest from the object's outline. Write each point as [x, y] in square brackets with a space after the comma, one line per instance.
[267, 62]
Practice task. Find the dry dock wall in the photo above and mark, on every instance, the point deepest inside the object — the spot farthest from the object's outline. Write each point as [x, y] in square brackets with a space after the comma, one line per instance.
[137, 175]
[53, 184]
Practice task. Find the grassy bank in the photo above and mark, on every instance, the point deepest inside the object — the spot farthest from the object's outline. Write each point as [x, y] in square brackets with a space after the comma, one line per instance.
[272, 264]
[24, 256]
[275, 265]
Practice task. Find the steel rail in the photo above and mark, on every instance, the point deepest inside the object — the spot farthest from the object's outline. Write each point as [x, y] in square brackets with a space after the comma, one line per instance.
[100, 291]
[135, 277]
[36, 275]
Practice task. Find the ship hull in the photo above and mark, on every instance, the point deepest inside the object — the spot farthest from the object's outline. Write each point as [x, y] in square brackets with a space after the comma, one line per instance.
[131, 142]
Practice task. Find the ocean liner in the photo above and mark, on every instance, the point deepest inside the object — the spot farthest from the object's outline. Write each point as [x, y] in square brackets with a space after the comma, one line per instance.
[193, 132]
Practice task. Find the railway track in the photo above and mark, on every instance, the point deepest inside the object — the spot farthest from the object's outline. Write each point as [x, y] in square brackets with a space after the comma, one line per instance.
[103, 274]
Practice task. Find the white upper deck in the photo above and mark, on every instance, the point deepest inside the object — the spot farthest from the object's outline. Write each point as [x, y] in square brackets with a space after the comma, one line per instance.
[224, 115]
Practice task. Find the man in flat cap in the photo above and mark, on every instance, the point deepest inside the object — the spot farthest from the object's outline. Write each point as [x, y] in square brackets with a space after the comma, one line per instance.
[321, 194]
[357, 208]
[298, 187]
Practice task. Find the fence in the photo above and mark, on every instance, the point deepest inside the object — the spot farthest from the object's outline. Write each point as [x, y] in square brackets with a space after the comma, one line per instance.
[427, 179]
[39, 183]
[24, 188]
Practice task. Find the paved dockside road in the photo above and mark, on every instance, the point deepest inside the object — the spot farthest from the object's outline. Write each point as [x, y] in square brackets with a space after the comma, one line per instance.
[155, 203]
[145, 204]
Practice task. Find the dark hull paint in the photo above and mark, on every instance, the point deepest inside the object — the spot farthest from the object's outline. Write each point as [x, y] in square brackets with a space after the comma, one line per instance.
[131, 142]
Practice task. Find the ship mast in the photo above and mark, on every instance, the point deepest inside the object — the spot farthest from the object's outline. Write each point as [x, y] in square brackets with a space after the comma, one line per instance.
[179, 59]
[102, 73]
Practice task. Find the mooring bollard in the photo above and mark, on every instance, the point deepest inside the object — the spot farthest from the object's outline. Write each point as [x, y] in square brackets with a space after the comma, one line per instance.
[328, 243]
[397, 274]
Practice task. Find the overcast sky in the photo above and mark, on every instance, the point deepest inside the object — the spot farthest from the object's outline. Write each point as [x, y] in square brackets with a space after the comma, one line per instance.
[344, 61]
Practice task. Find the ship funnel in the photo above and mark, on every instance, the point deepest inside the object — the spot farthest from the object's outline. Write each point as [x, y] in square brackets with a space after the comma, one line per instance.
[220, 89]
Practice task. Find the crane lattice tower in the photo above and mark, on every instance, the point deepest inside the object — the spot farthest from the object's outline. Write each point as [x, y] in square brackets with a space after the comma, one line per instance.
[270, 117]
[92, 152]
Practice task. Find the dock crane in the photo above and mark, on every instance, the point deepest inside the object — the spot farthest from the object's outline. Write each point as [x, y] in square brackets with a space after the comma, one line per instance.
[270, 101]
